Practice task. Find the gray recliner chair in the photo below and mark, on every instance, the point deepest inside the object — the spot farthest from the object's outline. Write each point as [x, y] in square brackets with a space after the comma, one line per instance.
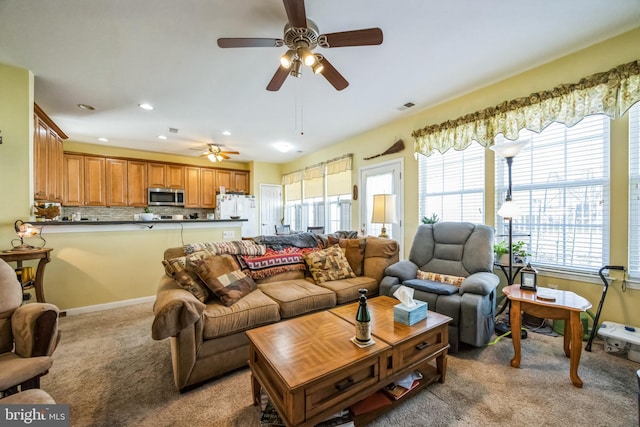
[459, 249]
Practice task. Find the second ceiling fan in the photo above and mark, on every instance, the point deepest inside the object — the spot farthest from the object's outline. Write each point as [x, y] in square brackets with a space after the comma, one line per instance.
[301, 37]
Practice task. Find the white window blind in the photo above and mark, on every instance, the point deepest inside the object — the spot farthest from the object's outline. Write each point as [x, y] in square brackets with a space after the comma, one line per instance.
[634, 191]
[561, 183]
[451, 185]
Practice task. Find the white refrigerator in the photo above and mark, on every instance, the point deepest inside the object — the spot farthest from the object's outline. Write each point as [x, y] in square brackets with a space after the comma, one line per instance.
[239, 205]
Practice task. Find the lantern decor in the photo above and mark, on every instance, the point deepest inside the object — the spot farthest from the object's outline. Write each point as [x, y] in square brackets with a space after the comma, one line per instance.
[528, 278]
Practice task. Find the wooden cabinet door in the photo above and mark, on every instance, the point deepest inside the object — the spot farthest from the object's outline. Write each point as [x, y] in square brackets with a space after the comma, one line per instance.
[137, 183]
[59, 148]
[192, 187]
[207, 188]
[156, 177]
[240, 182]
[94, 186]
[73, 193]
[116, 182]
[40, 157]
[52, 165]
[223, 179]
[175, 176]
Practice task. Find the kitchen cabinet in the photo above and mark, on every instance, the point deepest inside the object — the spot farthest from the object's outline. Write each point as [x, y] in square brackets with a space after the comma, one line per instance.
[233, 181]
[116, 182]
[48, 158]
[94, 181]
[192, 187]
[207, 188]
[73, 192]
[162, 175]
[137, 183]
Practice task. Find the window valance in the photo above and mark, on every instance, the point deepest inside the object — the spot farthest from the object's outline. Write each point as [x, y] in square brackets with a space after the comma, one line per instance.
[333, 166]
[611, 93]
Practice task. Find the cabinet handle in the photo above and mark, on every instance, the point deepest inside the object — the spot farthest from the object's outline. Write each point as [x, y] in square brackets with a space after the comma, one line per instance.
[422, 346]
[344, 384]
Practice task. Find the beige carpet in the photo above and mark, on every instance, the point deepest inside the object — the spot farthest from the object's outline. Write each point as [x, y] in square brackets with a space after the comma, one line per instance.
[111, 373]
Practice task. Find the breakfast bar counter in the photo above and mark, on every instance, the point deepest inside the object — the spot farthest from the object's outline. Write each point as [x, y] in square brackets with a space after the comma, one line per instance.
[133, 225]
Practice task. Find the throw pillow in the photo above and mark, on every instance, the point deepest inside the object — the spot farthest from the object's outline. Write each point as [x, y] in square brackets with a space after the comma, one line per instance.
[442, 278]
[353, 249]
[223, 277]
[328, 264]
[236, 247]
[181, 270]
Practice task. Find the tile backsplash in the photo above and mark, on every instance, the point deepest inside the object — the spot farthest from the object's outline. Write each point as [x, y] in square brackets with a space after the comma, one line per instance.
[125, 213]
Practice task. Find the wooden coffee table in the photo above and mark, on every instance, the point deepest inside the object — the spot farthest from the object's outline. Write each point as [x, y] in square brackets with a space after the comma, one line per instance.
[566, 306]
[310, 368]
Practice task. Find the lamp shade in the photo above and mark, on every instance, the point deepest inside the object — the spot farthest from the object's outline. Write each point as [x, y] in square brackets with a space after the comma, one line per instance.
[509, 149]
[384, 209]
[509, 209]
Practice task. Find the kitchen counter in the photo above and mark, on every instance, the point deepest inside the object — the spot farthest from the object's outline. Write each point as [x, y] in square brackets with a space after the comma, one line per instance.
[50, 227]
[155, 221]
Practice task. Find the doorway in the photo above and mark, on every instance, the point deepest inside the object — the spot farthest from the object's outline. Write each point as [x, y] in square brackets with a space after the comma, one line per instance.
[271, 211]
[382, 178]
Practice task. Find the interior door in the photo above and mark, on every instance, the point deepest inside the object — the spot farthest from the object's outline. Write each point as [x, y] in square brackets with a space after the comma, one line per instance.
[383, 178]
[271, 207]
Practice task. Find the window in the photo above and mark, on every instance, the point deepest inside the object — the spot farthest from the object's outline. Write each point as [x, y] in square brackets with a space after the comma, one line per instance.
[634, 191]
[561, 184]
[451, 185]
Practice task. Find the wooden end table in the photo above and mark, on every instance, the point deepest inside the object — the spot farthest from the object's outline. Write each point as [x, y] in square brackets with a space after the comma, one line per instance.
[566, 306]
[42, 254]
[310, 368]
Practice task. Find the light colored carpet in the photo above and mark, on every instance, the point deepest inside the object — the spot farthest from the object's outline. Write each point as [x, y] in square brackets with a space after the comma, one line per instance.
[111, 373]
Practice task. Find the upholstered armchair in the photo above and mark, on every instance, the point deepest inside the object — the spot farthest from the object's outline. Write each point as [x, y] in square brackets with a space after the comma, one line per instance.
[28, 336]
[450, 266]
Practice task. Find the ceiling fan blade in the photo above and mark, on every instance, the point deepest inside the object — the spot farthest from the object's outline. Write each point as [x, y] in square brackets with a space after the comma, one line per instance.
[366, 37]
[229, 152]
[249, 42]
[278, 78]
[224, 156]
[296, 13]
[332, 75]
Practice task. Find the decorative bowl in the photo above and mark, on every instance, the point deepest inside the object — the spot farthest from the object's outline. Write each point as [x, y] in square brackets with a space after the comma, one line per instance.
[235, 217]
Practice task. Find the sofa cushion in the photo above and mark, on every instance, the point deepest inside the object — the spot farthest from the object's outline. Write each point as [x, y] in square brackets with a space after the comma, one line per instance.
[431, 286]
[255, 309]
[182, 270]
[328, 264]
[353, 250]
[222, 275]
[442, 278]
[296, 297]
[346, 290]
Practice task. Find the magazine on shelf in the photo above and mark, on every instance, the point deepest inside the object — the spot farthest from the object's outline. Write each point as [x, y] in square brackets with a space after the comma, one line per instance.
[396, 391]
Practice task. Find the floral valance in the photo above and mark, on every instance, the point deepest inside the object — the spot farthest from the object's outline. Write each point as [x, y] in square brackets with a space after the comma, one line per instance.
[611, 93]
[333, 166]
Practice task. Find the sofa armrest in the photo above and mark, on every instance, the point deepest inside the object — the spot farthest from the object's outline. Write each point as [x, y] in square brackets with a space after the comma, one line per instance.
[482, 283]
[388, 285]
[403, 270]
[35, 329]
[175, 309]
[378, 254]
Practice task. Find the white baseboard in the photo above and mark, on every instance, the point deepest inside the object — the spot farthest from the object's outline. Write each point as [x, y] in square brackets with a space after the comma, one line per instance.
[107, 306]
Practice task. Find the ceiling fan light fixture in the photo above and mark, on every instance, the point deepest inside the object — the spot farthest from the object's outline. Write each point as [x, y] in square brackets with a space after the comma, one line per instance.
[317, 67]
[296, 68]
[287, 59]
[307, 56]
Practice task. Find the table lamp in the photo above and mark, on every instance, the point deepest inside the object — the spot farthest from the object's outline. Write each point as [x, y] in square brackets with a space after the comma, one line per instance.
[384, 211]
[24, 229]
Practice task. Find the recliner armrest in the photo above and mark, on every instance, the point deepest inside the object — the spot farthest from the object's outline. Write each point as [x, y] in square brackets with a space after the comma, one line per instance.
[403, 270]
[175, 309]
[482, 283]
[35, 329]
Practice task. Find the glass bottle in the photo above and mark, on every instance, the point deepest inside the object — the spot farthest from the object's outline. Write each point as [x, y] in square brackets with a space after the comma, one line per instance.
[363, 319]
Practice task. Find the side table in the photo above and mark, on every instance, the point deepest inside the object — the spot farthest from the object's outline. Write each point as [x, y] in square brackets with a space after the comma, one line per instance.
[43, 254]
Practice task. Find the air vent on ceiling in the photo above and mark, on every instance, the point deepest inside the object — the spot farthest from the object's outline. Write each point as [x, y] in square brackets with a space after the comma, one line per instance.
[405, 106]
[173, 130]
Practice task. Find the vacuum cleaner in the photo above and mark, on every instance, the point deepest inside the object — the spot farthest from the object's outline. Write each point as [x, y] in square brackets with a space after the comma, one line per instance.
[604, 294]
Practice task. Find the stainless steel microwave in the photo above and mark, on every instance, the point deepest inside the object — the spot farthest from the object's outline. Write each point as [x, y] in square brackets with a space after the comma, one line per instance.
[166, 197]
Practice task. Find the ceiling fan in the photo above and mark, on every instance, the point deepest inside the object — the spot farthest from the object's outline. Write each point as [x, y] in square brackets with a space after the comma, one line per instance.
[216, 154]
[301, 36]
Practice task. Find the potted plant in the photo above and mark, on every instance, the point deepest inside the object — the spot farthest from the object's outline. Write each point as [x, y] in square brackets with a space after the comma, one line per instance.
[147, 215]
[501, 251]
[430, 220]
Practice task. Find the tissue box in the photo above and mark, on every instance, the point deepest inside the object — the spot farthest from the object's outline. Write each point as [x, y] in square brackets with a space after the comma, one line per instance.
[410, 315]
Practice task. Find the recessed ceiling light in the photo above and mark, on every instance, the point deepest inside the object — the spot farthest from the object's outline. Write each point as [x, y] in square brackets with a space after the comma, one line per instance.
[226, 132]
[162, 137]
[146, 106]
[283, 147]
[103, 140]
[86, 107]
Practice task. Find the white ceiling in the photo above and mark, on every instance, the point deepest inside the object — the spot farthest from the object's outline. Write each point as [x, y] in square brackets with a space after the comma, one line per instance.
[116, 54]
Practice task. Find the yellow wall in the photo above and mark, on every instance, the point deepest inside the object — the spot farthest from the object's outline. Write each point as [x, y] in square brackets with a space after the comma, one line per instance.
[569, 69]
[102, 267]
